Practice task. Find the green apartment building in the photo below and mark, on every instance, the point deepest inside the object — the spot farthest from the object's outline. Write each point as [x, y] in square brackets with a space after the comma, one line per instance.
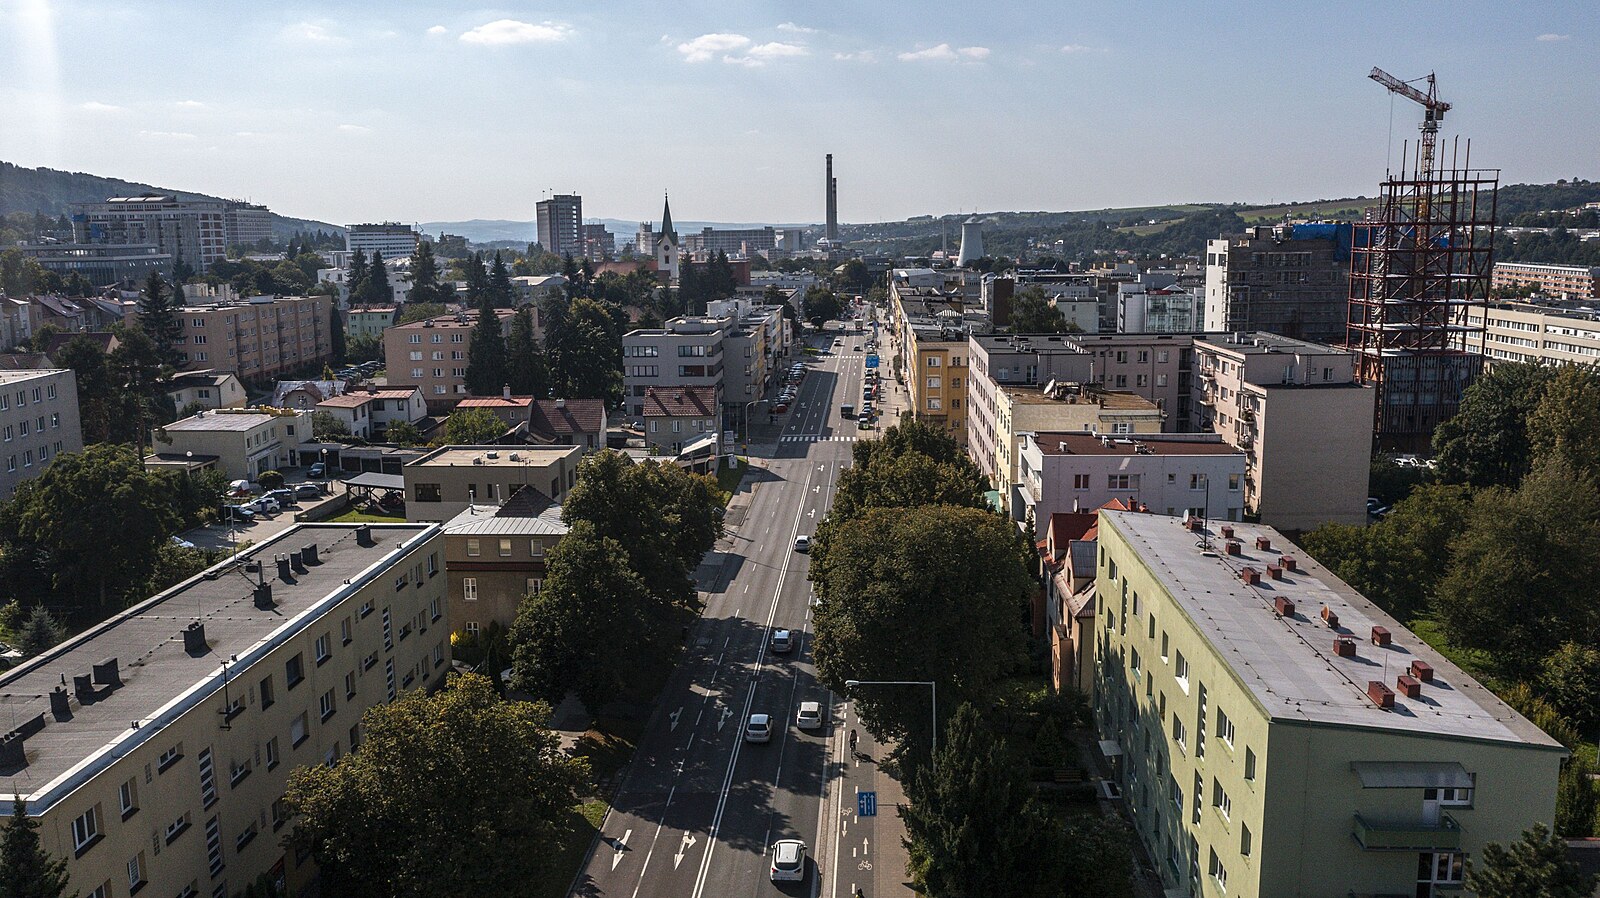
[1274, 733]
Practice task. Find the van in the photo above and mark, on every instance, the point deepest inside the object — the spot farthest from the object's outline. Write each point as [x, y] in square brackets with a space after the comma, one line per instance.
[847, 410]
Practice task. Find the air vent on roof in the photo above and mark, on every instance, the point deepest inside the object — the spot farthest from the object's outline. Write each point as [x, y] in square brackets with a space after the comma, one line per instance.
[83, 687]
[1381, 695]
[1250, 576]
[1331, 617]
[1233, 547]
[309, 553]
[1287, 561]
[1408, 686]
[194, 638]
[263, 596]
[106, 674]
[1274, 572]
[1227, 531]
[297, 562]
[13, 753]
[364, 535]
[1284, 606]
[60, 703]
[1380, 635]
[1263, 544]
[283, 569]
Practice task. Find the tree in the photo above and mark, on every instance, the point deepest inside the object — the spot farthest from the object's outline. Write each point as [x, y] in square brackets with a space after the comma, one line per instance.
[1523, 569]
[402, 433]
[1576, 798]
[97, 394]
[325, 428]
[356, 277]
[525, 366]
[477, 278]
[666, 518]
[1486, 443]
[96, 517]
[821, 305]
[1570, 681]
[583, 348]
[473, 427]
[424, 275]
[502, 295]
[40, 632]
[973, 826]
[158, 318]
[374, 289]
[589, 628]
[854, 277]
[421, 311]
[336, 333]
[26, 870]
[486, 363]
[1033, 313]
[911, 464]
[1535, 866]
[1565, 423]
[270, 480]
[953, 576]
[457, 793]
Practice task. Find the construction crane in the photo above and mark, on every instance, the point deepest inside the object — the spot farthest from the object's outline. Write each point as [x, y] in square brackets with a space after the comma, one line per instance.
[1433, 110]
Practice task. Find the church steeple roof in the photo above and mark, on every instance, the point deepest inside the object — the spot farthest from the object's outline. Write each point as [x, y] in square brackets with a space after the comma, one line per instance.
[666, 220]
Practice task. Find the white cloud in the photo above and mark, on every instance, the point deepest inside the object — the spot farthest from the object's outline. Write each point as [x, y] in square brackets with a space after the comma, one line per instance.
[355, 129]
[777, 50]
[167, 135]
[944, 53]
[792, 28]
[97, 106]
[311, 33]
[510, 31]
[438, 29]
[706, 46]
[1077, 48]
[974, 52]
[862, 56]
[189, 104]
[1550, 38]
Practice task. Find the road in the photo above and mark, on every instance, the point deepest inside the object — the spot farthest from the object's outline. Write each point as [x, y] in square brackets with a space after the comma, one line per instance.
[699, 807]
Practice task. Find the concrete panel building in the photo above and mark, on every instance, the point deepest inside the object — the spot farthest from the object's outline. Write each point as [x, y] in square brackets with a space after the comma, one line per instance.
[1275, 733]
[1559, 281]
[247, 224]
[1068, 408]
[244, 442]
[38, 421]
[261, 338]
[447, 481]
[370, 321]
[1303, 422]
[493, 556]
[394, 240]
[432, 355]
[1168, 474]
[160, 766]
[560, 224]
[1549, 331]
[195, 231]
[1290, 280]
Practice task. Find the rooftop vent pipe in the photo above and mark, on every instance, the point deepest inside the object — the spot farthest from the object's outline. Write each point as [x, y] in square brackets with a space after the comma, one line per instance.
[194, 638]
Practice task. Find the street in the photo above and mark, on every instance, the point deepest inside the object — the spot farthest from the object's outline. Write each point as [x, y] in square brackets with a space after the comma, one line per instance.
[699, 807]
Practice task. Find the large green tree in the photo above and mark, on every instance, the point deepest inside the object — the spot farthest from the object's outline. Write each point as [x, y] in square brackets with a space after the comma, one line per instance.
[502, 295]
[158, 318]
[898, 582]
[1032, 313]
[453, 793]
[973, 827]
[1534, 866]
[912, 464]
[473, 427]
[1486, 443]
[424, 275]
[26, 870]
[589, 628]
[821, 305]
[98, 396]
[583, 347]
[486, 364]
[1565, 424]
[526, 370]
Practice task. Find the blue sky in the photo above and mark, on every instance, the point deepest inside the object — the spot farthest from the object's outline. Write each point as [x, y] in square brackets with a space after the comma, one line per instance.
[350, 111]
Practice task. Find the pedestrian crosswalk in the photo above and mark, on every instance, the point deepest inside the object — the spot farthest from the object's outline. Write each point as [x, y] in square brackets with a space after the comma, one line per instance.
[817, 438]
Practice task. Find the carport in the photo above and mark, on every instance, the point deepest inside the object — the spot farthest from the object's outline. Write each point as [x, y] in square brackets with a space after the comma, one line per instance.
[366, 487]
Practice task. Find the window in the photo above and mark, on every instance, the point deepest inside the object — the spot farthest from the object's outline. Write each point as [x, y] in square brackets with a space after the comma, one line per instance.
[433, 563]
[1245, 842]
[473, 548]
[1249, 765]
[245, 838]
[86, 829]
[1218, 872]
[472, 628]
[1200, 726]
[1220, 800]
[1133, 655]
[434, 612]
[345, 632]
[1179, 735]
[368, 662]
[1436, 868]
[388, 630]
[1177, 794]
[1233, 482]
[933, 382]
[1197, 481]
[469, 589]
[366, 608]
[1182, 673]
[297, 731]
[208, 778]
[1080, 481]
[505, 548]
[237, 771]
[1164, 646]
[1122, 481]
[1199, 798]
[388, 676]
[1224, 727]
[935, 405]
[272, 752]
[136, 872]
[325, 704]
[324, 648]
[128, 797]
[535, 586]
[214, 845]
[294, 670]
[103, 890]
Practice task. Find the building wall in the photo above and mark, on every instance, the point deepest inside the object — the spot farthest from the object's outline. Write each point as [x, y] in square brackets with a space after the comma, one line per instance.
[195, 232]
[1526, 332]
[229, 394]
[370, 322]
[1266, 280]
[1155, 366]
[560, 224]
[243, 454]
[670, 434]
[657, 358]
[259, 339]
[1050, 483]
[936, 381]
[395, 241]
[432, 355]
[501, 570]
[1565, 281]
[1020, 411]
[38, 421]
[551, 469]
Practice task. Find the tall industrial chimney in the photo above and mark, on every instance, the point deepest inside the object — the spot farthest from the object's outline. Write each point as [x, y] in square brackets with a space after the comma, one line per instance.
[971, 242]
[832, 187]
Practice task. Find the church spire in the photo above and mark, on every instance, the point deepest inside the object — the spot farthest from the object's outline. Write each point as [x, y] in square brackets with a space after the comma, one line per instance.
[666, 220]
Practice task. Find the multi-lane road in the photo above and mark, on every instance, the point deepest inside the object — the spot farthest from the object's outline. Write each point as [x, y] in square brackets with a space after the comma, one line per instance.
[699, 807]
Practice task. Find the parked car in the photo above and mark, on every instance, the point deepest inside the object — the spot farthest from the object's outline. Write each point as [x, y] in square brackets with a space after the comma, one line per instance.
[182, 543]
[237, 514]
[758, 728]
[308, 491]
[284, 497]
[809, 716]
[788, 861]
[782, 641]
[265, 505]
[317, 471]
[781, 407]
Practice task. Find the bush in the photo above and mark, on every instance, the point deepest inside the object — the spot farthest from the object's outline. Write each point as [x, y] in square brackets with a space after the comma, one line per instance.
[1544, 715]
[1571, 683]
[1576, 799]
[271, 480]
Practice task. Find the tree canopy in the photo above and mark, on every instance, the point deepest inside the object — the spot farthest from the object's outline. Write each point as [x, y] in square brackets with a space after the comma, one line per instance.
[454, 793]
[1033, 313]
[1486, 443]
[526, 370]
[486, 362]
[473, 427]
[26, 870]
[1534, 866]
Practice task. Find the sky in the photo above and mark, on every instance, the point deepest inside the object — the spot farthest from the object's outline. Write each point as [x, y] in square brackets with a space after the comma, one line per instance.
[410, 111]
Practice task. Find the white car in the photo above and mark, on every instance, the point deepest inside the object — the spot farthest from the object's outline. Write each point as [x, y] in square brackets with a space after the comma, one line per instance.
[809, 716]
[758, 728]
[802, 543]
[782, 641]
[266, 505]
[788, 861]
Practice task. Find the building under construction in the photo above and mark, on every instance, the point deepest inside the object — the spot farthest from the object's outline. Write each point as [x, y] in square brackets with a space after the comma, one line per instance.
[1422, 257]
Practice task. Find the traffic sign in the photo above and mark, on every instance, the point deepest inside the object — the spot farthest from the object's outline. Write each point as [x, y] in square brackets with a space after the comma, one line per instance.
[866, 804]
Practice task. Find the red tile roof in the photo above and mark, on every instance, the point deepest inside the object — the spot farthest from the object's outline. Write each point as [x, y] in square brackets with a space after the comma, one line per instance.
[572, 416]
[494, 402]
[679, 402]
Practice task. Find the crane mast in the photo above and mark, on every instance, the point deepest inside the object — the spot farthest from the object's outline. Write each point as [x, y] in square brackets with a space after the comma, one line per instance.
[1433, 110]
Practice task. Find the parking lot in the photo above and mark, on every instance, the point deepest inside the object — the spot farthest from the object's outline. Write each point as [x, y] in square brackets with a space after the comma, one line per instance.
[223, 536]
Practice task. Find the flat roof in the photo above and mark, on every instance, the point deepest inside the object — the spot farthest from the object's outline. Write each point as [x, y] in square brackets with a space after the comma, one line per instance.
[14, 376]
[220, 421]
[1259, 342]
[160, 679]
[1089, 444]
[1115, 400]
[1288, 663]
[492, 456]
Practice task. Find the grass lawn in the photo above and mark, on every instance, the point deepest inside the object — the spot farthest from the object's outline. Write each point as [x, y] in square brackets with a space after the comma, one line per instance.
[728, 479]
[361, 517]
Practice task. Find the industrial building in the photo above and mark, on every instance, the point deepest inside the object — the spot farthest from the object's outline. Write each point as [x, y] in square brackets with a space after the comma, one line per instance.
[154, 748]
[1273, 732]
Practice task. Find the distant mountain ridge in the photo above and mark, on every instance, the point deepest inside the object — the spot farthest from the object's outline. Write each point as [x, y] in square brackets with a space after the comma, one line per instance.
[53, 192]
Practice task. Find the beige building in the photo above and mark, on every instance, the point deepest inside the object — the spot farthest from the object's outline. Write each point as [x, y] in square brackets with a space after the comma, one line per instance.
[153, 749]
[1069, 408]
[209, 389]
[1275, 733]
[1562, 281]
[38, 421]
[260, 338]
[936, 375]
[1303, 422]
[447, 481]
[370, 321]
[432, 354]
[496, 555]
[368, 413]
[241, 443]
[1537, 331]
[675, 417]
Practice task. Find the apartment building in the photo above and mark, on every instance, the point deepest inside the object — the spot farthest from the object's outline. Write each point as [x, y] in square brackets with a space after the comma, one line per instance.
[1064, 408]
[1291, 279]
[260, 338]
[154, 748]
[370, 321]
[240, 443]
[449, 480]
[1302, 420]
[1155, 366]
[394, 240]
[207, 389]
[38, 421]
[247, 224]
[1560, 281]
[559, 221]
[1143, 310]
[103, 265]
[195, 231]
[494, 556]
[1168, 474]
[1273, 732]
[368, 413]
[675, 417]
[733, 349]
[733, 241]
[432, 355]
[1537, 330]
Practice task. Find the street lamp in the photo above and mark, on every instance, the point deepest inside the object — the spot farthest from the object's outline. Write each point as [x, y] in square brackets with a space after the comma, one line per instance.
[747, 421]
[934, 756]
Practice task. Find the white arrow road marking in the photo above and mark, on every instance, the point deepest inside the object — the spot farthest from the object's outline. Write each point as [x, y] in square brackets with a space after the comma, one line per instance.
[675, 715]
[726, 713]
[683, 849]
[621, 846]
[863, 844]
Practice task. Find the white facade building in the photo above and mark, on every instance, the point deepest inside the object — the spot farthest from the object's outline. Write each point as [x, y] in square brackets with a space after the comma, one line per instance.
[394, 240]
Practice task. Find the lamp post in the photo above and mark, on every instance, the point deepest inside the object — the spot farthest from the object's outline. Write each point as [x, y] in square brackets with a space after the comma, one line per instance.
[747, 422]
[933, 757]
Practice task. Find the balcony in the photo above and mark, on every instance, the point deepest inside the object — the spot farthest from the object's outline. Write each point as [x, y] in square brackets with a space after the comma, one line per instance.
[1408, 835]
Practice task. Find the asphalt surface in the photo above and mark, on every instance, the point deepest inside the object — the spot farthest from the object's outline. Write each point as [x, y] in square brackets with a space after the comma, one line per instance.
[700, 807]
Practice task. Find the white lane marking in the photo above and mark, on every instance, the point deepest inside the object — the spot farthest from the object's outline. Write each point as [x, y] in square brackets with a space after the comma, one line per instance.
[651, 853]
[621, 846]
[683, 850]
[723, 720]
